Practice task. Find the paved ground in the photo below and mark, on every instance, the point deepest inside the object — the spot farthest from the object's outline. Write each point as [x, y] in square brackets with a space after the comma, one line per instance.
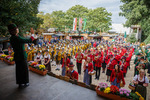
[41, 88]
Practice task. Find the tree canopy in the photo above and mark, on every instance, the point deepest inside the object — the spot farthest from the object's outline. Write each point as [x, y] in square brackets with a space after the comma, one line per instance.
[137, 13]
[96, 18]
[21, 12]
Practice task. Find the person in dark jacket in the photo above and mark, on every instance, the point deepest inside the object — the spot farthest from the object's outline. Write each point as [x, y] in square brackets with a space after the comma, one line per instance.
[20, 56]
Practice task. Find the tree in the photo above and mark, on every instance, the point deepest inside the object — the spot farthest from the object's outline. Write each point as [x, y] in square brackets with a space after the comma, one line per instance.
[147, 40]
[131, 38]
[58, 19]
[47, 20]
[76, 11]
[137, 13]
[21, 12]
[98, 18]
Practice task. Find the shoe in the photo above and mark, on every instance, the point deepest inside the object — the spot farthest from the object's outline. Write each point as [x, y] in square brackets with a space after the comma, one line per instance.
[106, 80]
[95, 78]
[58, 69]
[27, 84]
[21, 86]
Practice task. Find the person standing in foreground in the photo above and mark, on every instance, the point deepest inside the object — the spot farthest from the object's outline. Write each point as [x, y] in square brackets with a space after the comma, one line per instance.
[88, 68]
[71, 73]
[117, 76]
[20, 56]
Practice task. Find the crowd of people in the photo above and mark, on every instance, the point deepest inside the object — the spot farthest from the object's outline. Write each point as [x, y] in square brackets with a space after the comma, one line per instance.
[92, 57]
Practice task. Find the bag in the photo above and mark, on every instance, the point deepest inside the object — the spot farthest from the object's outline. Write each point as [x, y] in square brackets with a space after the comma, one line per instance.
[131, 86]
[121, 84]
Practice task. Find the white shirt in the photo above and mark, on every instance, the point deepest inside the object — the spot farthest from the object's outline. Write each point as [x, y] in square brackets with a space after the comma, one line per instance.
[45, 56]
[34, 35]
[39, 56]
[138, 77]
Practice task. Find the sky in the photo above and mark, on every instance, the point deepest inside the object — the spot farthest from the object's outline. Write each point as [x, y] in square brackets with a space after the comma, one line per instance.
[113, 6]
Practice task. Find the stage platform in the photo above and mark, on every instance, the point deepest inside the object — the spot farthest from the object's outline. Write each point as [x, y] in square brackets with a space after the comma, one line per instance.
[41, 88]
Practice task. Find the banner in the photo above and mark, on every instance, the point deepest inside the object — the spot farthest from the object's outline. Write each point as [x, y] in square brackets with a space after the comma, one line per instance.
[80, 24]
[74, 24]
[84, 24]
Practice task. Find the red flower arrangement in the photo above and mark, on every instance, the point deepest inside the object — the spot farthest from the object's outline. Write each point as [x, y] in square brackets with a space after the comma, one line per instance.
[114, 89]
[34, 63]
[7, 57]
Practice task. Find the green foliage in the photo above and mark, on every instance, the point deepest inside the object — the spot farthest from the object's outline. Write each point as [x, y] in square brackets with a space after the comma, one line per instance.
[76, 11]
[131, 38]
[96, 18]
[137, 13]
[147, 40]
[58, 19]
[21, 12]
[47, 20]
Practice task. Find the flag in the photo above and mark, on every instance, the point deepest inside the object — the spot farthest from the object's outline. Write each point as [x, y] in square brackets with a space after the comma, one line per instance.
[74, 24]
[80, 24]
[125, 35]
[84, 24]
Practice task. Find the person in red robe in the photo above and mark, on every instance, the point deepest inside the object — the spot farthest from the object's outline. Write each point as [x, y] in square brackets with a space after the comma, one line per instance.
[104, 61]
[110, 66]
[71, 72]
[79, 57]
[88, 68]
[65, 63]
[99, 65]
[95, 54]
[90, 55]
[117, 76]
[123, 66]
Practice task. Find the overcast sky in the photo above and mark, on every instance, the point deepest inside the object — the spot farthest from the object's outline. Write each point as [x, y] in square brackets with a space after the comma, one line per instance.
[47, 6]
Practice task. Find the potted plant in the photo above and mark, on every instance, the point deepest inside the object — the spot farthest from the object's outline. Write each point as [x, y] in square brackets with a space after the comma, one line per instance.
[3, 56]
[37, 68]
[11, 60]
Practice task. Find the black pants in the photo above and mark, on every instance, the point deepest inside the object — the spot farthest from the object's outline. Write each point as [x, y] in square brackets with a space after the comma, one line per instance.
[48, 67]
[69, 57]
[94, 65]
[61, 60]
[22, 73]
[79, 67]
[124, 74]
[148, 66]
[98, 70]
